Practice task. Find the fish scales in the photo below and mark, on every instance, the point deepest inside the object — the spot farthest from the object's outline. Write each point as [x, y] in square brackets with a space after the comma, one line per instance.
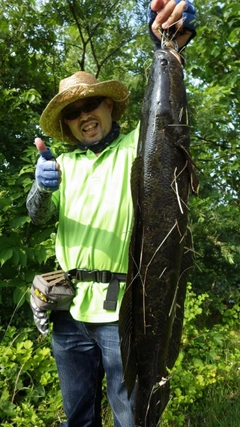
[151, 313]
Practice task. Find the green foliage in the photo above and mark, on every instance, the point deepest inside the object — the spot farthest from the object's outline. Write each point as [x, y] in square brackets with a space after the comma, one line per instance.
[212, 80]
[209, 359]
[29, 382]
[23, 246]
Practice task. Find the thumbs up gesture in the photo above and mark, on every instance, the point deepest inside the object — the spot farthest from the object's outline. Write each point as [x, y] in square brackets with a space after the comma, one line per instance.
[47, 174]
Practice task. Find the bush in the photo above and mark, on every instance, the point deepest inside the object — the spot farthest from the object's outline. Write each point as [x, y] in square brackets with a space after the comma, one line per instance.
[209, 358]
[28, 380]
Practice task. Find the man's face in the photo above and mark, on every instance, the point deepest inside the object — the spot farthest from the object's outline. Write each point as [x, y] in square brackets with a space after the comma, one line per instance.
[91, 126]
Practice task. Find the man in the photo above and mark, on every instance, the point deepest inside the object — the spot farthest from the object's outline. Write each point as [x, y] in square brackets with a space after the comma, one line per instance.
[89, 188]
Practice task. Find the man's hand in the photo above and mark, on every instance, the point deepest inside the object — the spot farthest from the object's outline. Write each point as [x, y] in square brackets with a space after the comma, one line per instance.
[47, 174]
[178, 15]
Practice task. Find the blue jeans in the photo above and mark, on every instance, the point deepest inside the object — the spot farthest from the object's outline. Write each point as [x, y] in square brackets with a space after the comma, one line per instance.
[84, 352]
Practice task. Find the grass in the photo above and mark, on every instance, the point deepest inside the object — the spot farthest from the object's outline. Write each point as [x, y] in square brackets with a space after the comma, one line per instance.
[220, 403]
[219, 407]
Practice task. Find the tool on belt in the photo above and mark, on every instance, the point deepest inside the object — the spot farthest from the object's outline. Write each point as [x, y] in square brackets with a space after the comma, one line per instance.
[55, 290]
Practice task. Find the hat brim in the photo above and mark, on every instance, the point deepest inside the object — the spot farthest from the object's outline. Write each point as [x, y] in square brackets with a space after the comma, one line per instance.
[50, 120]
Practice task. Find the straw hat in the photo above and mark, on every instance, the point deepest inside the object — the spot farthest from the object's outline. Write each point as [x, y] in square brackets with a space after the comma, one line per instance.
[79, 86]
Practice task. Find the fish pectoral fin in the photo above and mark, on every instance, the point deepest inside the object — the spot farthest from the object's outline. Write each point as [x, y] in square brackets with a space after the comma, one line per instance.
[127, 345]
[130, 369]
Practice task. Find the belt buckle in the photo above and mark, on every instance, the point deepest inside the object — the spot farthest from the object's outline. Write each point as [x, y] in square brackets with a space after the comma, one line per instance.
[105, 276]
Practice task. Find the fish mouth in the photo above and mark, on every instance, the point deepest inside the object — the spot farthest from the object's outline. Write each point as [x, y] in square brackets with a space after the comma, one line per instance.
[173, 51]
[176, 54]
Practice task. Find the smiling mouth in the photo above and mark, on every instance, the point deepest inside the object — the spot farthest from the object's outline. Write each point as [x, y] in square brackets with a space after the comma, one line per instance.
[89, 128]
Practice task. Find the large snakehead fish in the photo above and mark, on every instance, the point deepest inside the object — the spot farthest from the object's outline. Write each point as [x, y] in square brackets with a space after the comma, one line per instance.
[151, 314]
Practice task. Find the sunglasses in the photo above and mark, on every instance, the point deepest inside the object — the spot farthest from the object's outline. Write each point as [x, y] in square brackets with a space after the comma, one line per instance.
[89, 106]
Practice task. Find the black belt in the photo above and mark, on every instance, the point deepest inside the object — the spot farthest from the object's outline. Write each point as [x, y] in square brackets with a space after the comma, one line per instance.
[102, 276]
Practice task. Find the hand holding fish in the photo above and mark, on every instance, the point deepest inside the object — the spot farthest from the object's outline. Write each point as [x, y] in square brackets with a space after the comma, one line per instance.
[176, 15]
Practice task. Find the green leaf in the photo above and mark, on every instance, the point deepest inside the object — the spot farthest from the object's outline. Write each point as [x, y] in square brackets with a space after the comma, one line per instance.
[22, 257]
[15, 257]
[19, 221]
[198, 363]
[5, 254]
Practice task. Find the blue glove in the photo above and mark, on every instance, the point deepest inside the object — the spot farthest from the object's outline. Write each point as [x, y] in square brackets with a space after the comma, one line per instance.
[46, 175]
[189, 23]
[40, 317]
[189, 17]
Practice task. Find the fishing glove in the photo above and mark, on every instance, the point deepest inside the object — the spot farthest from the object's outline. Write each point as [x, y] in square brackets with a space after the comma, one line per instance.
[189, 23]
[46, 175]
[40, 317]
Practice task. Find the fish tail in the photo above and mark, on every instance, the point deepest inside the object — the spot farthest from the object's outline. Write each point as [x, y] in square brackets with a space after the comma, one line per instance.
[149, 408]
